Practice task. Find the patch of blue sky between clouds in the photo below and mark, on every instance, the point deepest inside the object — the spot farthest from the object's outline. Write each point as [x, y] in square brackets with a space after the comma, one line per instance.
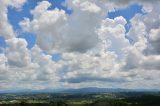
[2, 44]
[128, 13]
[30, 38]
[58, 4]
[15, 16]
[56, 57]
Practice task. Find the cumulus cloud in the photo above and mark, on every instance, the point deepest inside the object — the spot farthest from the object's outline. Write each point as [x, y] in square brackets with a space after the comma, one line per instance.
[46, 24]
[6, 29]
[47, 68]
[145, 35]
[95, 67]
[155, 40]
[113, 31]
[3, 70]
[17, 53]
[58, 31]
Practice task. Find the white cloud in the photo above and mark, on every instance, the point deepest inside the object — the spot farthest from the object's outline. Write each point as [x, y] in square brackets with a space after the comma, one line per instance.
[17, 53]
[47, 68]
[88, 67]
[7, 32]
[154, 34]
[6, 29]
[14, 3]
[113, 31]
[144, 53]
[46, 24]
[3, 69]
[87, 6]
[154, 40]
[57, 31]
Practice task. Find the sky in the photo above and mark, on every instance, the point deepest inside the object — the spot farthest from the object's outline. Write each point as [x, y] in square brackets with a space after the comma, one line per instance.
[57, 44]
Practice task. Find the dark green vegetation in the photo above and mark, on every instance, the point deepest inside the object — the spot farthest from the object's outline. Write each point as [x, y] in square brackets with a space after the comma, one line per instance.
[81, 99]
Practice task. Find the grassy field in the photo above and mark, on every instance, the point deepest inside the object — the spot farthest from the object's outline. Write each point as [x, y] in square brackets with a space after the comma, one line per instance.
[92, 99]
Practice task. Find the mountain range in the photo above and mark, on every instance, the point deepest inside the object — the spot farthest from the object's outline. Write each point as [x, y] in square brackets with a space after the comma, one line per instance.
[79, 90]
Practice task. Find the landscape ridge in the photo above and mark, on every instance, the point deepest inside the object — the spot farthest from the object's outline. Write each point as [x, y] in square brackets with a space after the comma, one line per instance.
[79, 90]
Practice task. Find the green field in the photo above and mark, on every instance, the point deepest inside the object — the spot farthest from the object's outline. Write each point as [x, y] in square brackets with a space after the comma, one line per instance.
[91, 99]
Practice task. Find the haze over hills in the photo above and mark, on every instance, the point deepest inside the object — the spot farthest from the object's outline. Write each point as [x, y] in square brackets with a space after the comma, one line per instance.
[79, 90]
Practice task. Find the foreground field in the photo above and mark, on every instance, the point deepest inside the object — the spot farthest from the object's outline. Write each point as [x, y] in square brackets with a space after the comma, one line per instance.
[91, 99]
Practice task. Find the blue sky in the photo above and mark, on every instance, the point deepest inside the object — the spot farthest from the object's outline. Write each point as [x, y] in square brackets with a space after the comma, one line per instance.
[128, 13]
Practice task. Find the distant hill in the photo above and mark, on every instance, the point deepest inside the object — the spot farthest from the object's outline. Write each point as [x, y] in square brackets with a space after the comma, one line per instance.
[79, 90]
[94, 90]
